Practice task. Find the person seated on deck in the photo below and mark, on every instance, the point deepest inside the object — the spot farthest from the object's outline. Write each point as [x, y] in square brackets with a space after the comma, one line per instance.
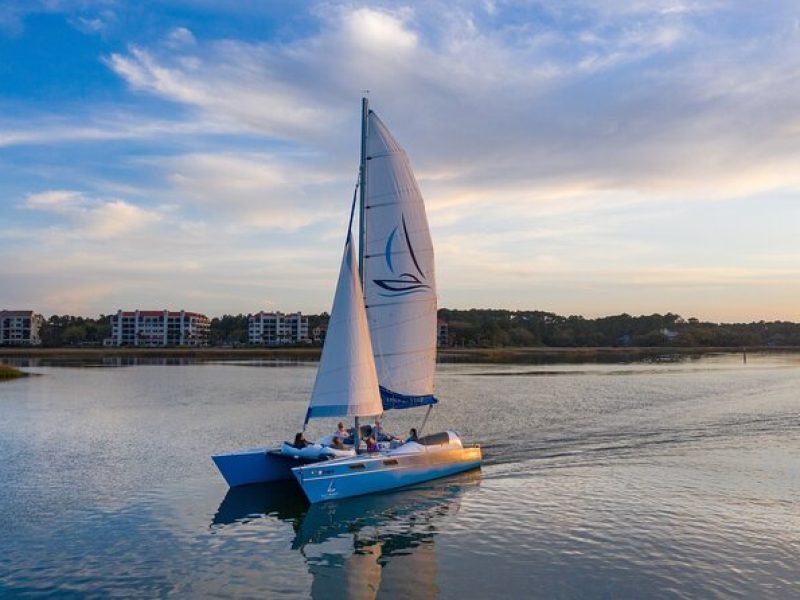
[412, 436]
[343, 434]
[379, 433]
[372, 445]
[337, 443]
[300, 442]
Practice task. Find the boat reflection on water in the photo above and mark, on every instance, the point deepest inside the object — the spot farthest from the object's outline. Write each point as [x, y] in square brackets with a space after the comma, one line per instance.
[359, 547]
[280, 499]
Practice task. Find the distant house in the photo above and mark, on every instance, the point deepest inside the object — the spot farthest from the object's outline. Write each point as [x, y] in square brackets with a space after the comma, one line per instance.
[158, 328]
[20, 327]
[319, 332]
[625, 340]
[442, 333]
[670, 335]
[777, 339]
[277, 329]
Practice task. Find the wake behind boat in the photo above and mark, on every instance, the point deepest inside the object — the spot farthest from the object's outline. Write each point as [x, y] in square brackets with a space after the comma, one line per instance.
[380, 348]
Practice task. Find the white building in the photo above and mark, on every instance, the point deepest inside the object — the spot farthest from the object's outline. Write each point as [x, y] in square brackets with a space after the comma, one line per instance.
[20, 327]
[277, 329]
[159, 328]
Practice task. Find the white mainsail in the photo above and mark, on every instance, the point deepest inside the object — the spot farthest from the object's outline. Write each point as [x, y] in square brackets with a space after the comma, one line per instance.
[346, 384]
[399, 279]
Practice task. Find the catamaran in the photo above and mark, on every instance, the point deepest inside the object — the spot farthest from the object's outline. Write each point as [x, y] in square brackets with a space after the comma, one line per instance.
[380, 349]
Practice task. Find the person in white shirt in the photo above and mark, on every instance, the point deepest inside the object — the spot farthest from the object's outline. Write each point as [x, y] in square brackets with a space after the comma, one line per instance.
[343, 434]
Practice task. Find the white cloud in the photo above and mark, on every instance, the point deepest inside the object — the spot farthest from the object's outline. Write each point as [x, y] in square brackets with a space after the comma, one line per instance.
[93, 218]
[97, 23]
[517, 103]
[252, 190]
[57, 200]
[180, 36]
[115, 217]
[238, 86]
[538, 133]
[378, 31]
[45, 130]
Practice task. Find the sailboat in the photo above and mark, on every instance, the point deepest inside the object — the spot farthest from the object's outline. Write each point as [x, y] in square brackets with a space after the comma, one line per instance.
[380, 348]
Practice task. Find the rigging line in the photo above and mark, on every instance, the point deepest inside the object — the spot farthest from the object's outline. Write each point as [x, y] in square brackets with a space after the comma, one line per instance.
[353, 207]
[425, 420]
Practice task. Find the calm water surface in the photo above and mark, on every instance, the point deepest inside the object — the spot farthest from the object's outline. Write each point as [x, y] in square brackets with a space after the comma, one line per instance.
[675, 480]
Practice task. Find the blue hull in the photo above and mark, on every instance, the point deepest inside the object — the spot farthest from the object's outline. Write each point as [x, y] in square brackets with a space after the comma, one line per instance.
[334, 480]
[259, 465]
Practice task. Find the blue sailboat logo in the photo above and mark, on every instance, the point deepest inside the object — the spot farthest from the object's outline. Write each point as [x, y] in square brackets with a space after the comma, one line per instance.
[405, 283]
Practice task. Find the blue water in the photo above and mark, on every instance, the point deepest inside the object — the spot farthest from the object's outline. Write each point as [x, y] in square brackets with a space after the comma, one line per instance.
[675, 480]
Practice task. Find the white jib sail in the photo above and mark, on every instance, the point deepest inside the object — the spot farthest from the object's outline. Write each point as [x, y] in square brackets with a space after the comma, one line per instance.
[346, 384]
[400, 284]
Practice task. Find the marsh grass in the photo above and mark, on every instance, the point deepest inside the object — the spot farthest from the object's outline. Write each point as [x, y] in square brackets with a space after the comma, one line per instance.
[511, 355]
[9, 372]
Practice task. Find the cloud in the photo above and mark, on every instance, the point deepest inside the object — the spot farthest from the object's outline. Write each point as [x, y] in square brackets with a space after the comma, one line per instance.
[636, 97]
[94, 23]
[556, 145]
[162, 264]
[237, 87]
[378, 31]
[97, 219]
[180, 36]
[87, 17]
[44, 130]
[57, 200]
[252, 190]
[510, 103]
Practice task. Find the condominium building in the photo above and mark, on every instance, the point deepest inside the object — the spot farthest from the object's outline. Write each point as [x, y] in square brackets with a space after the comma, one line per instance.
[20, 327]
[277, 329]
[159, 328]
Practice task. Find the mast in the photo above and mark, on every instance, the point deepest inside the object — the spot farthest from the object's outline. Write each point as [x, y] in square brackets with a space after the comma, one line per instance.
[362, 191]
[362, 214]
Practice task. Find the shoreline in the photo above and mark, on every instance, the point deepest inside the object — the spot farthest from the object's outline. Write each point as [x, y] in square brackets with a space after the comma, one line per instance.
[445, 355]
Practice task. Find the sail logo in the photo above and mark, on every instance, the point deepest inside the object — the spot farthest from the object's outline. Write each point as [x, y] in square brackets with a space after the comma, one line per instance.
[331, 491]
[406, 282]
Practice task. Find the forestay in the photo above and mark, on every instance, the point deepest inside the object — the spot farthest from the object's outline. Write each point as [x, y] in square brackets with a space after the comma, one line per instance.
[346, 384]
[399, 279]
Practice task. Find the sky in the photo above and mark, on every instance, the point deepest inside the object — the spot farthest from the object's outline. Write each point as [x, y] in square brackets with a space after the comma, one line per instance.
[580, 157]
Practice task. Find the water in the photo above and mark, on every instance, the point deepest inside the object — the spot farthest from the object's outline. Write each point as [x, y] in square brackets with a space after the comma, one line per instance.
[676, 480]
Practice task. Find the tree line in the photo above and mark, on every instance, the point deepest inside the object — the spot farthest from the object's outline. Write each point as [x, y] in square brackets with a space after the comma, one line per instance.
[482, 328]
[498, 328]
